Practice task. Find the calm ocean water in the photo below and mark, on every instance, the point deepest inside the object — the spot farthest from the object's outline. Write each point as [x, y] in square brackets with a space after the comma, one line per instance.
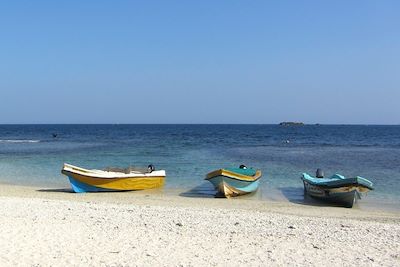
[29, 155]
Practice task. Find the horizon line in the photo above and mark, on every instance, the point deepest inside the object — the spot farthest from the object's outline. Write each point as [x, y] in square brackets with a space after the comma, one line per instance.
[304, 124]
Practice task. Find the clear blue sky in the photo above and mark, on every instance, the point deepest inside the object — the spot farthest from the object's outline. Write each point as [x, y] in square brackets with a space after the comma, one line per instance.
[200, 61]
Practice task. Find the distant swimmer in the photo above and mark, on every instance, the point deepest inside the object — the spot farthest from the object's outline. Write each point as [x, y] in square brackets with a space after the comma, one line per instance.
[287, 141]
[54, 135]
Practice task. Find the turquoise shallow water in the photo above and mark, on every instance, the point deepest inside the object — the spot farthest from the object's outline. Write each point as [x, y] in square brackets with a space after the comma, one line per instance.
[29, 155]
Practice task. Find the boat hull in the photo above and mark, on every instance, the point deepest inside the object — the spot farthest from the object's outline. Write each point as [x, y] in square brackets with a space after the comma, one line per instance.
[232, 187]
[344, 196]
[81, 183]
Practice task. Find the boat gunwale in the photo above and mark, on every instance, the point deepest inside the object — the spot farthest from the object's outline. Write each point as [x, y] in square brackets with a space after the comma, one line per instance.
[347, 182]
[234, 175]
[68, 173]
[70, 169]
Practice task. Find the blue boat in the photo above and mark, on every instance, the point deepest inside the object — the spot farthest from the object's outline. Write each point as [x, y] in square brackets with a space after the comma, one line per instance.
[233, 182]
[336, 189]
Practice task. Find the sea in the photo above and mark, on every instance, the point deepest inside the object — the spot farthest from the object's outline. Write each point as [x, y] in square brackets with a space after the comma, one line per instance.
[33, 155]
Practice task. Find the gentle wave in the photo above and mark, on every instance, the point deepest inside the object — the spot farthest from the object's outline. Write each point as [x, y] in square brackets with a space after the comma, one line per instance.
[19, 141]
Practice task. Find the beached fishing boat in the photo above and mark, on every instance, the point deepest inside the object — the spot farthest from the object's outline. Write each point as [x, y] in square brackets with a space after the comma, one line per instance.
[233, 182]
[112, 179]
[336, 189]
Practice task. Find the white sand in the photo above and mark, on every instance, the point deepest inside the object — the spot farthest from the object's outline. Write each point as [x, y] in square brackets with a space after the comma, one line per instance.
[137, 229]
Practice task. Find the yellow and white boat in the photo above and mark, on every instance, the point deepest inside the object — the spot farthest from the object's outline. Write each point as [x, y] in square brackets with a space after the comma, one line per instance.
[84, 180]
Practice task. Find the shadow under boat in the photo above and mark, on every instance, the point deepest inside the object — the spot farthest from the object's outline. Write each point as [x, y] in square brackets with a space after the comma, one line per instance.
[56, 190]
[298, 196]
[206, 190]
[69, 190]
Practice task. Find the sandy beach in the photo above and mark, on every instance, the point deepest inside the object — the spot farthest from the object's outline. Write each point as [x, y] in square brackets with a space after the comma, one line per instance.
[57, 228]
[161, 108]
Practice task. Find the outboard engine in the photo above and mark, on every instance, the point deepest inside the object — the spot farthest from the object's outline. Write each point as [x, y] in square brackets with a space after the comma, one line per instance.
[150, 168]
[319, 173]
[242, 167]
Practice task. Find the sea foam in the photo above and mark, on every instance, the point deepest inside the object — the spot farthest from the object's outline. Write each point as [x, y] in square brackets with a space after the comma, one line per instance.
[19, 141]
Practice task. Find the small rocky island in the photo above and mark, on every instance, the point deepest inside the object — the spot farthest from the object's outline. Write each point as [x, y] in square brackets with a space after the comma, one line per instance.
[291, 123]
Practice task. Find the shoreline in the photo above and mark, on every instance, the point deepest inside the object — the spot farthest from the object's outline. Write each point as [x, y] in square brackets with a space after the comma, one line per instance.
[189, 197]
[56, 227]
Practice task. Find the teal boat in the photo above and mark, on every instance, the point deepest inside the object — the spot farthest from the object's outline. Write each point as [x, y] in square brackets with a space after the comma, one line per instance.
[233, 182]
[336, 189]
